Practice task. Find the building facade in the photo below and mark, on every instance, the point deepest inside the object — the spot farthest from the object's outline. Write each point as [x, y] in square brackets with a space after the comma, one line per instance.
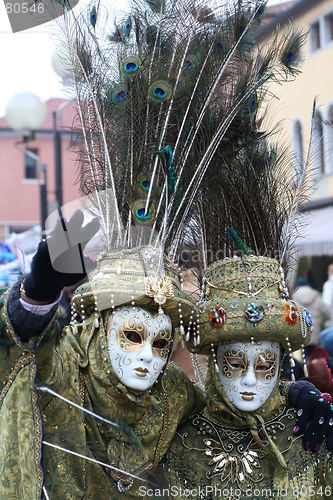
[305, 107]
[23, 175]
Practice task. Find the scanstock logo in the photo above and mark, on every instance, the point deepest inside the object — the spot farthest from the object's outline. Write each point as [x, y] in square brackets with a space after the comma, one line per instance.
[25, 14]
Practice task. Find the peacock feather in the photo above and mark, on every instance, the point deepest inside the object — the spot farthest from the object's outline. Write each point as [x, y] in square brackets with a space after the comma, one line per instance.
[169, 96]
[239, 244]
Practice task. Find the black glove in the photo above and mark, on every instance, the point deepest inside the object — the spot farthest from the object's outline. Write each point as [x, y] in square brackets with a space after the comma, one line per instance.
[59, 260]
[314, 415]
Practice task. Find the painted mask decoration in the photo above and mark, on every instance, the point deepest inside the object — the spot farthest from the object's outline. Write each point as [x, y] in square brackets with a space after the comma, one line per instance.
[139, 343]
[248, 372]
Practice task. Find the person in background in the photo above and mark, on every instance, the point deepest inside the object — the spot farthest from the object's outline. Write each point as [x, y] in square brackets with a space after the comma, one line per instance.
[309, 276]
[312, 300]
[328, 293]
[319, 373]
[326, 340]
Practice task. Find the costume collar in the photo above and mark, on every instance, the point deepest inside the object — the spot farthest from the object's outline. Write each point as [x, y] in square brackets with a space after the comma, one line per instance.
[220, 409]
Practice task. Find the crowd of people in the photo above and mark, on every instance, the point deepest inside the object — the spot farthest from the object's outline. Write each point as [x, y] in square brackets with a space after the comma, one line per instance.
[318, 350]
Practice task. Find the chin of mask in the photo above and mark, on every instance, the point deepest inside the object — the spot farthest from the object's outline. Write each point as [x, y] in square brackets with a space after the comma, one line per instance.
[139, 343]
[248, 372]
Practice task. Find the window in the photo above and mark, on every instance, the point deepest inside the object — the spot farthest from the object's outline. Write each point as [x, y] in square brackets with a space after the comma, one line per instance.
[315, 36]
[321, 32]
[298, 148]
[328, 27]
[318, 144]
[30, 165]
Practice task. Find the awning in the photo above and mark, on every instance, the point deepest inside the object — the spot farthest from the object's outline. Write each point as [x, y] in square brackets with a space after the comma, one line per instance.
[317, 234]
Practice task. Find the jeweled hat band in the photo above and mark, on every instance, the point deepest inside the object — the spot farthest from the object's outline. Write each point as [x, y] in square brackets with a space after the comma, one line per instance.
[248, 300]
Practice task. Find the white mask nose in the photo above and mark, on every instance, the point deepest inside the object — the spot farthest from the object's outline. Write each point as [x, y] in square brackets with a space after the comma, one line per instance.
[146, 353]
[249, 377]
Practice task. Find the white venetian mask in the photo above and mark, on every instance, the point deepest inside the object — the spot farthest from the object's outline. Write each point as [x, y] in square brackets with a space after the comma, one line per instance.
[248, 372]
[139, 343]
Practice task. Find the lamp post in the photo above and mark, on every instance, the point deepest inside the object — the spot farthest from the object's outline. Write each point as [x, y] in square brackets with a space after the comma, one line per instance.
[57, 161]
[60, 66]
[26, 113]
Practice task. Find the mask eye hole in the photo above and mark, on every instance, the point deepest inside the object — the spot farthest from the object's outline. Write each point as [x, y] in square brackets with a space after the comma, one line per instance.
[236, 364]
[159, 343]
[133, 336]
[263, 366]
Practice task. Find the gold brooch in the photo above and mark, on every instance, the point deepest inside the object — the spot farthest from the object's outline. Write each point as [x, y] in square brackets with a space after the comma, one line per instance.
[160, 289]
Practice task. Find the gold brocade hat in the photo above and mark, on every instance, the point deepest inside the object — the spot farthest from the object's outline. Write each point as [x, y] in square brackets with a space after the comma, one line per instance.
[246, 299]
[132, 276]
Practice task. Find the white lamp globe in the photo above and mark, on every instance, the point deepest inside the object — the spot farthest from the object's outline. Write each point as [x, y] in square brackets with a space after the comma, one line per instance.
[60, 60]
[25, 112]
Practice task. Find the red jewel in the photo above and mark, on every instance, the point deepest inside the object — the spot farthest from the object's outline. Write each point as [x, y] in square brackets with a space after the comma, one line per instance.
[217, 316]
[326, 396]
[291, 314]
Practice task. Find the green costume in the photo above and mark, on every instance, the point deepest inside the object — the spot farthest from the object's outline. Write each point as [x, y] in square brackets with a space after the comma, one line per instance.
[257, 453]
[167, 107]
[78, 368]
[223, 452]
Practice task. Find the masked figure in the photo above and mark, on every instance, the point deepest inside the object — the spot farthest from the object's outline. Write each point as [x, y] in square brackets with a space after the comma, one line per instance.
[245, 443]
[139, 345]
[248, 372]
[114, 365]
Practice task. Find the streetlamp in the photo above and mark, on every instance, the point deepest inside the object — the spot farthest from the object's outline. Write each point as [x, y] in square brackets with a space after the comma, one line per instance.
[26, 113]
[58, 59]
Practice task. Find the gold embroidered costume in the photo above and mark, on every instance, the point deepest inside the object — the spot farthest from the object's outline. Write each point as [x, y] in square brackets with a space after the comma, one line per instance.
[225, 453]
[167, 100]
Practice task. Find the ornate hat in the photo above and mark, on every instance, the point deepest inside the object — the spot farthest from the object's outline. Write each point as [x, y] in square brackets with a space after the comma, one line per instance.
[246, 299]
[132, 276]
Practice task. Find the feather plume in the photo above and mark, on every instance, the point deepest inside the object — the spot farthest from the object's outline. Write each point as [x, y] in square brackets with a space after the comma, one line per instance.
[239, 244]
[168, 98]
[254, 198]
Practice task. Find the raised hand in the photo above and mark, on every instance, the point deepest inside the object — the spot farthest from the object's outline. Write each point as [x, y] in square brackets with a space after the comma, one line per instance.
[59, 260]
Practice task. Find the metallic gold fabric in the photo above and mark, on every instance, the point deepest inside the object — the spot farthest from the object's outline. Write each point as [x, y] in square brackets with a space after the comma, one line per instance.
[250, 294]
[121, 278]
[212, 460]
[223, 452]
[79, 369]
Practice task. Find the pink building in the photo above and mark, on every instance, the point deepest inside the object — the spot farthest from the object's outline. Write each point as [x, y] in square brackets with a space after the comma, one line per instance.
[20, 200]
